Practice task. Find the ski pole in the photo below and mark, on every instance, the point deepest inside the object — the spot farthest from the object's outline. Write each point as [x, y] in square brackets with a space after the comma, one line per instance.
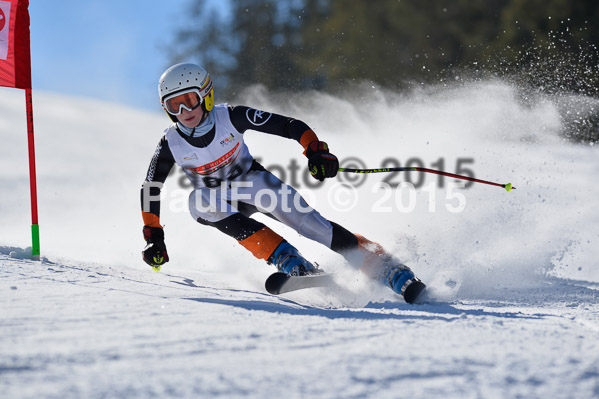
[507, 186]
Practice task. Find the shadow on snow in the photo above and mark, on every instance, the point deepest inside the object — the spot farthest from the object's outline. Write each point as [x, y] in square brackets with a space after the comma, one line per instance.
[441, 312]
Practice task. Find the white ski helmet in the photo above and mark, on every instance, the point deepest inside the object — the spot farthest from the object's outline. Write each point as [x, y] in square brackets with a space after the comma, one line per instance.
[185, 77]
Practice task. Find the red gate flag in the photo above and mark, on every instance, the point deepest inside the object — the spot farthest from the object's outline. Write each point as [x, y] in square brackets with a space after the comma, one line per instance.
[15, 71]
[15, 54]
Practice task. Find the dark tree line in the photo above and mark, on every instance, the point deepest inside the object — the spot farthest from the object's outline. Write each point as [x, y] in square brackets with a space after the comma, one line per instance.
[324, 44]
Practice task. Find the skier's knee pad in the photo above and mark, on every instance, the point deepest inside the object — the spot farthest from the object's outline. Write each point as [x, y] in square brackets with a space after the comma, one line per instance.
[210, 208]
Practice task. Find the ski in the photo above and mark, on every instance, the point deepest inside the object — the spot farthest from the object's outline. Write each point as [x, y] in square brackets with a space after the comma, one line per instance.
[280, 283]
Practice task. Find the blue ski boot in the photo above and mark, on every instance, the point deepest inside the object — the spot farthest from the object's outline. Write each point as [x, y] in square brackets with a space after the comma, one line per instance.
[402, 281]
[288, 260]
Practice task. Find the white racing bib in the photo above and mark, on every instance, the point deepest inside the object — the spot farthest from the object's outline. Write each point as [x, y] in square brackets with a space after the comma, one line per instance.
[224, 159]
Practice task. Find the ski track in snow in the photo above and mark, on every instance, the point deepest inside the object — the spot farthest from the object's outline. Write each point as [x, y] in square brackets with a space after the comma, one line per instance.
[76, 330]
[514, 275]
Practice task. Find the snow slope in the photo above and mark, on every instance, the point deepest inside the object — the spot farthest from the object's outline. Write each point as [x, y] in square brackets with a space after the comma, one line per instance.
[83, 330]
[515, 273]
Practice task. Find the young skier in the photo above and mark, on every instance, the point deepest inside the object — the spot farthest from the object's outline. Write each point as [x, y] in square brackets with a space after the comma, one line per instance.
[207, 141]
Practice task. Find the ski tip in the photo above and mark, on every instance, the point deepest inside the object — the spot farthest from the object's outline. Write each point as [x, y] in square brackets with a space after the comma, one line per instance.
[274, 282]
[413, 291]
[508, 187]
[156, 268]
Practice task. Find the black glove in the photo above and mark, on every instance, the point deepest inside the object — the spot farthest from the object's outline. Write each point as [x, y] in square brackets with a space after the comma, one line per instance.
[154, 254]
[321, 163]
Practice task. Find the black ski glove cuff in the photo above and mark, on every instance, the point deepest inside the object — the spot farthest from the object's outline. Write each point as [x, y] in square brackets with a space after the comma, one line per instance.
[153, 234]
[316, 147]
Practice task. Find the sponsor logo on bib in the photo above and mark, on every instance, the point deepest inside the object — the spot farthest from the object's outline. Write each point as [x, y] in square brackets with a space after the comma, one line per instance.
[228, 140]
[220, 163]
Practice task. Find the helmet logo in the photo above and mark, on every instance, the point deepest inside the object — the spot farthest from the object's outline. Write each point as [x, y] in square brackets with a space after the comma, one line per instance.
[257, 117]
[206, 86]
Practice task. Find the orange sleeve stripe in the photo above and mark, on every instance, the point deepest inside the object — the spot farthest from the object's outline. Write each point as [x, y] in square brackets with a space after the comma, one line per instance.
[307, 137]
[150, 219]
[262, 243]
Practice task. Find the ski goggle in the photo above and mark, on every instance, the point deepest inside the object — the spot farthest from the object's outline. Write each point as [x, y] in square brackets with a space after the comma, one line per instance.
[189, 100]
